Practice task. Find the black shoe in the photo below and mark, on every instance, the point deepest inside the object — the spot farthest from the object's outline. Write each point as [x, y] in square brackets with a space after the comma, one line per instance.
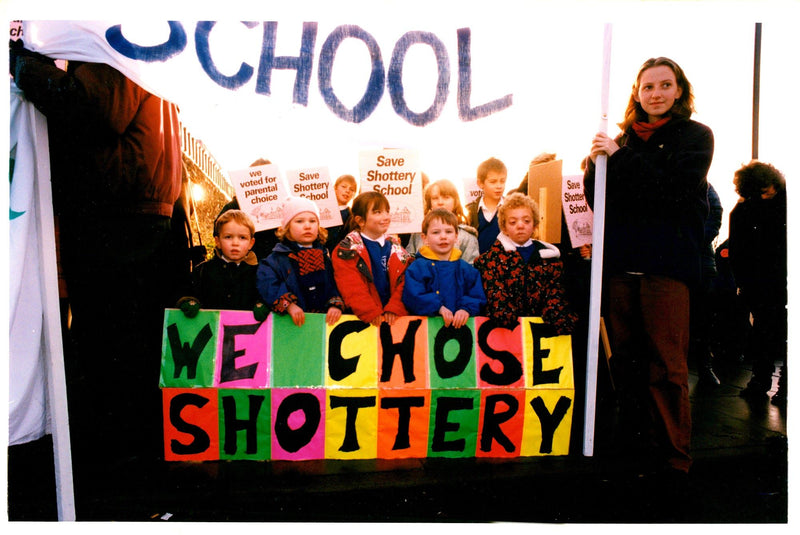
[754, 391]
[707, 377]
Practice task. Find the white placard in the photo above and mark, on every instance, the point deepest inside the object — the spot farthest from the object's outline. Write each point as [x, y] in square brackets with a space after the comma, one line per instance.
[577, 212]
[471, 190]
[314, 183]
[396, 174]
[260, 191]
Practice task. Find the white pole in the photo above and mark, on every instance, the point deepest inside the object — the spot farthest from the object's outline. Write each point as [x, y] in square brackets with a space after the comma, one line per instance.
[596, 287]
[51, 331]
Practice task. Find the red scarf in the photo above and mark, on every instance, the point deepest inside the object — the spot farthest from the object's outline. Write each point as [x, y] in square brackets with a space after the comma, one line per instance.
[309, 260]
[645, 130]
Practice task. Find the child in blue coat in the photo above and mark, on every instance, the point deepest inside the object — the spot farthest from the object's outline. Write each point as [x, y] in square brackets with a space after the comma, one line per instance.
[439, 282]
[297, 277]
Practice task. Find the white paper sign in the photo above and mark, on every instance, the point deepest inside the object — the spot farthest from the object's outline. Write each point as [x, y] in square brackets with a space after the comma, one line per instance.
[471, 190]
[396, 174]
[577, 212]
[314, 183]
[260, 191]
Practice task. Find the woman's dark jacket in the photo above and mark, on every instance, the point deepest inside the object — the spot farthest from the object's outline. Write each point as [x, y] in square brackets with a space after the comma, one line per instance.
[656, 201]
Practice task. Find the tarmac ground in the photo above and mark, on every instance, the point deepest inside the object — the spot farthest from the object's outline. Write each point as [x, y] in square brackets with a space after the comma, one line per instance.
[740, 475]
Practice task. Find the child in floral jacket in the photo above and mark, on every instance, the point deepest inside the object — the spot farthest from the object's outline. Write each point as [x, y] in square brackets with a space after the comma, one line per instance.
[522, 276]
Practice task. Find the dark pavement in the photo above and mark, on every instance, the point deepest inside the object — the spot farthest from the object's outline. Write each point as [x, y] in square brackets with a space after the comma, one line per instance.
[739, 476]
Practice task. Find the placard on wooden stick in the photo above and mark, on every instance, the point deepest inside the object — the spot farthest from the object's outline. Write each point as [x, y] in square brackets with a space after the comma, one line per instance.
[544, 187]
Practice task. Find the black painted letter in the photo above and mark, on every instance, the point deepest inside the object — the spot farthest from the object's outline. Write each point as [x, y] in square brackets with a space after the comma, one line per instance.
[403, 406]
[290, 439]
[234, 425]
[549, 422]
[492, 420]
[185, 356]
[441, 426]
[446, 368]
[512, 367]
[340, 367]
[540, 375]
[404, 349]
[201, 440]
[228, 370]
[352, 404]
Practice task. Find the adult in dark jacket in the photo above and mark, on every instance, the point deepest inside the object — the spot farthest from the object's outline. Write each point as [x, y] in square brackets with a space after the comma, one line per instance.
[758, 260]
[656, 205]
[115, 164]
[701, 306]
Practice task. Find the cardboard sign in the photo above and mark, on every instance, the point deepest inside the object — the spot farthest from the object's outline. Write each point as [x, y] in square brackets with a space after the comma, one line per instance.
[260, 191]
[544, 187]
[577, 213]
[356, 391]
[314, 183]
[396, 174]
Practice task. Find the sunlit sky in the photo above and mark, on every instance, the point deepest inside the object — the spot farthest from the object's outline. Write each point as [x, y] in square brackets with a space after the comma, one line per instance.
[548, 55]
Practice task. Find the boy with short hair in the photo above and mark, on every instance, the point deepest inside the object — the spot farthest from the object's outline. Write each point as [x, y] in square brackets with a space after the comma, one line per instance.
[345, 189]
[227, 280]
[522, 276]
[439, 282]
[482, 213]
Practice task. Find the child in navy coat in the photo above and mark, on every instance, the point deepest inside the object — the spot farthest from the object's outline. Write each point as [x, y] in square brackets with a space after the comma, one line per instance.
[297, 277]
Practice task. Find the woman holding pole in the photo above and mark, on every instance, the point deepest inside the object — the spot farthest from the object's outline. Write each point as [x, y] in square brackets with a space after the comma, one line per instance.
[656, 203]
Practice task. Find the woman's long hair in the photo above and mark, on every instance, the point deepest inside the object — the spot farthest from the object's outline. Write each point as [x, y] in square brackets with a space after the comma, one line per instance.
[683, 106]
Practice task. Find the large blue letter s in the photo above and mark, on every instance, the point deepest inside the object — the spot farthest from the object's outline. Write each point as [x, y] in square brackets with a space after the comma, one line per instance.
[174, 45]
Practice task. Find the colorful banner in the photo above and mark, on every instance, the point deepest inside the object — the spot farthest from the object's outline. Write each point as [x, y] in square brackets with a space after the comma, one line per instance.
[235, 388]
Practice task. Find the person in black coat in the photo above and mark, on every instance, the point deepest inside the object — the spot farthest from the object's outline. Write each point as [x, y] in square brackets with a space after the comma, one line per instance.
[758, 259]
[701, 306]
[227, 281]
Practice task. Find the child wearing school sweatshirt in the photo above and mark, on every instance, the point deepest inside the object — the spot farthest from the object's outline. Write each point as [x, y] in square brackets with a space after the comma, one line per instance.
[369, 264]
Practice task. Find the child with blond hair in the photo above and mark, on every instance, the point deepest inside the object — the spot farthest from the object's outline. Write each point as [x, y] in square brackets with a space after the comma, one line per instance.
[297, 277]
[521, 275]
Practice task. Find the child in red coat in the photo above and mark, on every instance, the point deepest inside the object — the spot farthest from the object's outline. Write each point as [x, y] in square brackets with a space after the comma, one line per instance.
[368, 264]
